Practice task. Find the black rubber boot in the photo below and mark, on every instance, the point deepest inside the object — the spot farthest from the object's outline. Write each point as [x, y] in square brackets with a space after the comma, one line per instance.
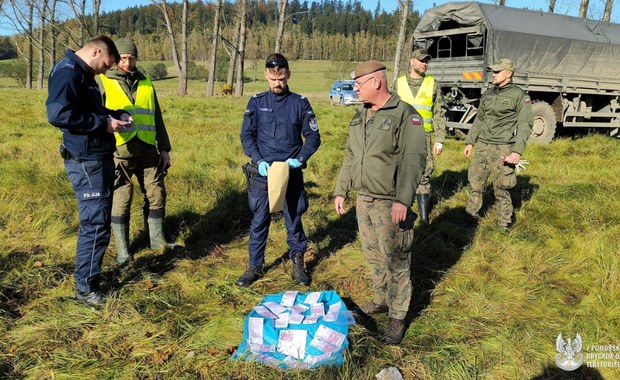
[250, 275]
[423, 205]
[299, 272]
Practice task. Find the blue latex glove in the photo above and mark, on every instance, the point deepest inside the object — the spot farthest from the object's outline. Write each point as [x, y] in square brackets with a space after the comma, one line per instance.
[263, 166]
[293, 163]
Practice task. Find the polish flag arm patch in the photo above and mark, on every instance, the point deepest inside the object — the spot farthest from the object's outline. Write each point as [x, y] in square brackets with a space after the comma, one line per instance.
[415, 120]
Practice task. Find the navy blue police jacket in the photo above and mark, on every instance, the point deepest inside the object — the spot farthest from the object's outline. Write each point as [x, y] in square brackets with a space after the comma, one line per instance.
[273, 127]
[74, 105]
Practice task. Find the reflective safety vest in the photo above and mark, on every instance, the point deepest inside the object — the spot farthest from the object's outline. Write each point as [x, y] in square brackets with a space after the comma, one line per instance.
[422, 101]
[143, 111]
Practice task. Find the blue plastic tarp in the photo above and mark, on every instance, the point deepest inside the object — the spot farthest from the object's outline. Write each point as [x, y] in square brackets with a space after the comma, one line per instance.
[296, 330]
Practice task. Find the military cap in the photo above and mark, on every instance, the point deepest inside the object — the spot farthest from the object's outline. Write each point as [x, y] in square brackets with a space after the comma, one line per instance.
[503, 64]
[126, 46]
[420, 55]
[366, 67]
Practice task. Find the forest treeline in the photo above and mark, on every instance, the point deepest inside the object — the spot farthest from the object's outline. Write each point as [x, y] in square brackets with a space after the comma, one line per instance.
[325, 30]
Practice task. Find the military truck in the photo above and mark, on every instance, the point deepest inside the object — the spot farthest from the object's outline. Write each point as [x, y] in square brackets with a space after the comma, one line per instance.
[568, 65]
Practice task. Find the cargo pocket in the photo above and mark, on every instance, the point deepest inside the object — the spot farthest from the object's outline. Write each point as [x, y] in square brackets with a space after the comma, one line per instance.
[508, 179]
[406, 230]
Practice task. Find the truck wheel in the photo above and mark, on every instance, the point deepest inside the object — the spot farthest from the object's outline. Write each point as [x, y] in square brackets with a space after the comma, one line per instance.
[544, 124]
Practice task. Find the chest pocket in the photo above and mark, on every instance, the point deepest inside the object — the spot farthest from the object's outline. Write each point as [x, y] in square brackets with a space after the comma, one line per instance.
[294, 129]
[505, 106]
[266, 124]
[386, 132]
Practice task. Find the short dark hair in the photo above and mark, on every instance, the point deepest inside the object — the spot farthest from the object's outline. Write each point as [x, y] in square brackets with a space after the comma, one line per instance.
[105, 41]
[276, 61]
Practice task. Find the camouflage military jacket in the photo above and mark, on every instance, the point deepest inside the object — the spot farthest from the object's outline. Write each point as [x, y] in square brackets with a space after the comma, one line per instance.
[504, 117]
[386, 158]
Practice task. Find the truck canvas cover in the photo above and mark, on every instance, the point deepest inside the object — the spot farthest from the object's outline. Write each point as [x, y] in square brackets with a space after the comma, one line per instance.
[540, 43]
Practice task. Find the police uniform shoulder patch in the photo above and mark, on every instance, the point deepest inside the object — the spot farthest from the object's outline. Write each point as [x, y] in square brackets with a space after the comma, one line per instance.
[313, 124]
[415, 120]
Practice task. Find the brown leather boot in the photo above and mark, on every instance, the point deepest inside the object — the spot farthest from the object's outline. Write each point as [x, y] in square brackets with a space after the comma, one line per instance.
[395, 331]
[373, 308]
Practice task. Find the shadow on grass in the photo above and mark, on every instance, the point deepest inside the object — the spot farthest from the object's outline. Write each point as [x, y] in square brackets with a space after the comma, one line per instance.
[337, 233]
[555, 373]
[439, 245]
[225, 222]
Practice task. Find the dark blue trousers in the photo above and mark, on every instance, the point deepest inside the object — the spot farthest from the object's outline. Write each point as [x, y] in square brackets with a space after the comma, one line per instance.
[93, 184]
[295, 205]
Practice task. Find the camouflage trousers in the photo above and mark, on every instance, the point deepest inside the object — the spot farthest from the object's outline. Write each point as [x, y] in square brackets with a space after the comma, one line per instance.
[425, 183]
[488, 161]
[140, 159]
[387, 248]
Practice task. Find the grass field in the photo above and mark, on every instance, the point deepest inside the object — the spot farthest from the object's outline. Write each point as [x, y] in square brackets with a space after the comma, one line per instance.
[487, 304]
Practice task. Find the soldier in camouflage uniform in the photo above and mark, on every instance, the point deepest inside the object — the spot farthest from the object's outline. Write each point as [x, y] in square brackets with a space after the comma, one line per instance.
[384, 161]
[501, 129]
[424, 93]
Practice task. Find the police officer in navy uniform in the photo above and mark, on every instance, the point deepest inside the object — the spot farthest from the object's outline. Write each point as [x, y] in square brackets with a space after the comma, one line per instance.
[278, 125]
[75, 106]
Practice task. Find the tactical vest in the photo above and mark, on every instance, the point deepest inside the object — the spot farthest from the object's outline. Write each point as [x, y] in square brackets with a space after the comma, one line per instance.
[422, 102]
[143, 111]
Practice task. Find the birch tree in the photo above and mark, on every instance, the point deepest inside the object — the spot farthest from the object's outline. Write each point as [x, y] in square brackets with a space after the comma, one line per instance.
[405, 5]
[583, 10]
[241, 47]
[180, 64]
[608, 6]
[282, 4]
[214, 42]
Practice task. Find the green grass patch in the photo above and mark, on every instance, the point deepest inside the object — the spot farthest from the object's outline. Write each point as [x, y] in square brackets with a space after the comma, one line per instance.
[487, 304]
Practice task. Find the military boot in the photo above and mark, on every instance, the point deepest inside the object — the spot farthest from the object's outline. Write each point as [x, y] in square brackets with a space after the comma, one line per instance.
[373, 308]
[299, 272]
[121, 236]
[395, 331]
[423, 205]
[250, 275]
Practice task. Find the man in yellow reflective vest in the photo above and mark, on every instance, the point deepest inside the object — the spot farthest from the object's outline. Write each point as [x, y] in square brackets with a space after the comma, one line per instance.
[424, 94]
[142, 149]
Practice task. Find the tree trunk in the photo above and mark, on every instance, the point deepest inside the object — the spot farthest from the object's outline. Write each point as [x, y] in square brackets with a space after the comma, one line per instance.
[41, 47]
[233, 55]
[583, 10]
[29, 56]
[404, 15]
[551, 6]
[281, 16]
[241, 48]
[213, 54]
[53, 34]
[183, 72]
[96, 7]
[178, 65]
[608, 6]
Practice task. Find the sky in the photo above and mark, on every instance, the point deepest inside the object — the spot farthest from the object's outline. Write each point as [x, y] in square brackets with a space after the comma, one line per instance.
[568, 7]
